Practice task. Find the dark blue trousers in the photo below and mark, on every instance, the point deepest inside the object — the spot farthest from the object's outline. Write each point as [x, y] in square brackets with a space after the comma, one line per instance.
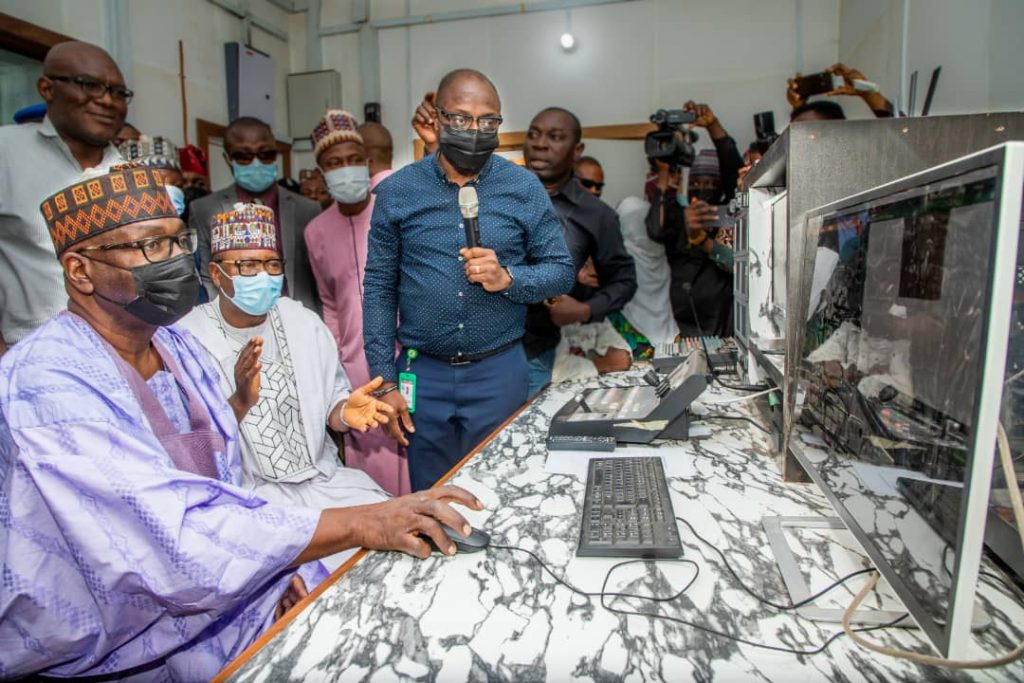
[457, 406]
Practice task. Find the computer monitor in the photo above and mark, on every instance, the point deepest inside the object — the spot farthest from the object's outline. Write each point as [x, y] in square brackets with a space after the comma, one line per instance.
[760, 280]
[903, 366]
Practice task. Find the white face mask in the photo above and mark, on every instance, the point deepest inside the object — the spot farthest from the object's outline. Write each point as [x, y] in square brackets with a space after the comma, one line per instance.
[348, 184]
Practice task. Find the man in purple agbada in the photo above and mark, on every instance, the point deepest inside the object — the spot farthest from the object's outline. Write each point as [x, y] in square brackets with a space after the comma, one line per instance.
[127, 547]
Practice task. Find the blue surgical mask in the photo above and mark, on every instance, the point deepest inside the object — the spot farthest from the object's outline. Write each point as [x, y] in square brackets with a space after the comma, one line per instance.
[177, 197]
[348, 184]
[254, 176]
[255, 294]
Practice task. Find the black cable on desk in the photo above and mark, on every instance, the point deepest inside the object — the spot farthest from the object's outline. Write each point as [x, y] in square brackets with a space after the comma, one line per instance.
[580, 591]
[779, 606]
[736, 387]
[603, 594]
[775, 648]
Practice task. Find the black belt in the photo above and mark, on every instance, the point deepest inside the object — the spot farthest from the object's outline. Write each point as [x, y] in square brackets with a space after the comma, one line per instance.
[467, 358]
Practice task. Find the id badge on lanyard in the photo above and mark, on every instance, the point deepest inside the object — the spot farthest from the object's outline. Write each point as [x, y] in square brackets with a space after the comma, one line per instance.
[407, 381]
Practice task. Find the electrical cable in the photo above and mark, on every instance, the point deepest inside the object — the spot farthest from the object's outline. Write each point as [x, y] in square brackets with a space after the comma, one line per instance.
[688, 288]
[794, 605]
[590, 594]
[1006, 460]
[603, 594]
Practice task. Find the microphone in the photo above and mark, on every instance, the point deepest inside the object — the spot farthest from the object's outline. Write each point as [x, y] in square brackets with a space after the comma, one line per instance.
[469, 206]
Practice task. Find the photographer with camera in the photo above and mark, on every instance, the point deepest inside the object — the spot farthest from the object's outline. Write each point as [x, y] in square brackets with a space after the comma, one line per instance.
[699, 250]
[836, 80]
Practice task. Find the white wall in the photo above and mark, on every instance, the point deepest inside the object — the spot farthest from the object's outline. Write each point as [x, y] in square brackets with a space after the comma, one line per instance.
[155, 29]
[632, 58]
[976, 43]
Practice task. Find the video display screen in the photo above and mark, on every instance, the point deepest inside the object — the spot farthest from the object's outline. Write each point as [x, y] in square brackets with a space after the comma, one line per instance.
[891, 366]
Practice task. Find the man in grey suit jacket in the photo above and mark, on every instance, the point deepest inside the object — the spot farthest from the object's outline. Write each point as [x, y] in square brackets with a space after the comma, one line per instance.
[250, 149]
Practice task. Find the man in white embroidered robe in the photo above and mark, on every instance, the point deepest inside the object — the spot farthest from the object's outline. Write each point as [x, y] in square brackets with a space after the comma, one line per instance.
[287, 454]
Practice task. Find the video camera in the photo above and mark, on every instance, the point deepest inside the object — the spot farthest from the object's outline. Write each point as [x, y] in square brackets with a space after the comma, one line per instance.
[764, 129]
[672, 142]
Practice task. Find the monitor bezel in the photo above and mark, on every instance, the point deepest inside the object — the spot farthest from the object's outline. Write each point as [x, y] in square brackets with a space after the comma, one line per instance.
[952, 641]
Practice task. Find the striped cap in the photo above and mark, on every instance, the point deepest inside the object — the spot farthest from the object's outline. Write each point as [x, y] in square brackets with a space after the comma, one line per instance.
[337, 125]
[157, 152]
[248, 226]
[96, 204]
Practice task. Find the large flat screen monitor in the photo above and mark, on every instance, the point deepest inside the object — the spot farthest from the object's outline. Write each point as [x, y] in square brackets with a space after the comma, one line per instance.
[903, 366]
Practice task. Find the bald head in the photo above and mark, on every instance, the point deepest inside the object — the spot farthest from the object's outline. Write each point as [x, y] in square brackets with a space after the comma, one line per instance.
[461, 84]
[78, 112]
[74, 54]
[379, 146]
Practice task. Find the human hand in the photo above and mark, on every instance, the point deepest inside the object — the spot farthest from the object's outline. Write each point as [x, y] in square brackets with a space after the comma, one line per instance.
[614, 360]
[423, 121]
[848, 75]
[875, 100]
[588, 275]
[698, 215]
[247, 378]
[402, 523]
[363, 412]
[705, 117]
[793, 95]
[482, 268]
[565, 310]
[295, 592]
[403, 421]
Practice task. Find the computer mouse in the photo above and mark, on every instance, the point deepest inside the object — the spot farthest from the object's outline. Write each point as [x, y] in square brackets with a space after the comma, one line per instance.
[476, 541]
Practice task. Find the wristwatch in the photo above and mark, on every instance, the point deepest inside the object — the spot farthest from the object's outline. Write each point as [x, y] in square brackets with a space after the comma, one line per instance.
[511, 279]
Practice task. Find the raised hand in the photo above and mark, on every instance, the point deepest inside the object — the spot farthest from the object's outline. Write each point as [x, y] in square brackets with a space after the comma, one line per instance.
[363, 412]
[793, 95]
[247, 378]
[423, 121]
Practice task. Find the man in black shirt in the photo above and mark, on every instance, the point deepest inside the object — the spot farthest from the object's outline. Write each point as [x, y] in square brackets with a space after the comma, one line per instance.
[700, 259]
[552, 148]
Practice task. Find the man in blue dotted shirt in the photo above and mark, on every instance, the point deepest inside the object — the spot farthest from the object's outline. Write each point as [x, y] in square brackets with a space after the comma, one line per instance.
[458, 314]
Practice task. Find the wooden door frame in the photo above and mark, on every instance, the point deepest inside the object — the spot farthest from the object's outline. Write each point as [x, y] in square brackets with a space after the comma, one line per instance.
[208, 129]
[27, 39]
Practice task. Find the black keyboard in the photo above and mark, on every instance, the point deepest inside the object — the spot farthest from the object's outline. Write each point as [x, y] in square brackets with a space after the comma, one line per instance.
[627, 511]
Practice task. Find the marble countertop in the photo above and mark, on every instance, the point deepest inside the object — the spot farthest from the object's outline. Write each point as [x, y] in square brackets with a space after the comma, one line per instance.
[497, 616]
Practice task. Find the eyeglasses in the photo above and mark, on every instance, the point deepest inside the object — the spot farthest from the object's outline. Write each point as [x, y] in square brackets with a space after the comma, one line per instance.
[590, 184]
[265, 156]
[96, 89]
[252, 267]
[461, 122]
[155, 249]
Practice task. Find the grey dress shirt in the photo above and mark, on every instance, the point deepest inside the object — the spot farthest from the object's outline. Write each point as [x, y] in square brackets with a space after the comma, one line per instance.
[34, 163]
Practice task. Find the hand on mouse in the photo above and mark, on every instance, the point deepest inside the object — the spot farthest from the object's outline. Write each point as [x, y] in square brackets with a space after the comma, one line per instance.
[398, 524]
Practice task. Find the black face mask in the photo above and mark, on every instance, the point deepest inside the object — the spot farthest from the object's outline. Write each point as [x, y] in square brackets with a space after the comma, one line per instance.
[191, 194]
[165, 291]
[706, 194]
[467, 150]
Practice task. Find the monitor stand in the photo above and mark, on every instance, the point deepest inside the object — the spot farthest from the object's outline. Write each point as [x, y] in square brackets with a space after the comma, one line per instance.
[798, 590]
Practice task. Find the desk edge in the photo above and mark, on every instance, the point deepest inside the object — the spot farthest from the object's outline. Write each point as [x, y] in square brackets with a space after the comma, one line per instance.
[234, 665]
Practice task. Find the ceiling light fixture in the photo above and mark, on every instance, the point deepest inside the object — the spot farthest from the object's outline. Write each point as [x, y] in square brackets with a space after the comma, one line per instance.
[568, 40]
